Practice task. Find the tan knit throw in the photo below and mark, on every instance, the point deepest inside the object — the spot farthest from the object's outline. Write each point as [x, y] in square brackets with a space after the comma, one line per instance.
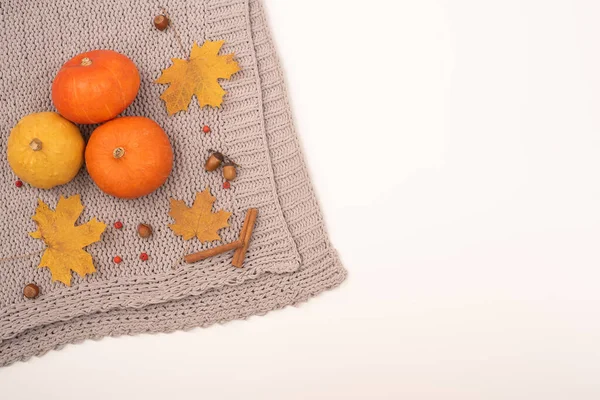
[290, 258]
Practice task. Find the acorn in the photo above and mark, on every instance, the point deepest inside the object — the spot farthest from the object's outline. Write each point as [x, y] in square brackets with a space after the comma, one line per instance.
[214, 161]
[161, 22]
[145, 231]
[31, 291]
[229, 171]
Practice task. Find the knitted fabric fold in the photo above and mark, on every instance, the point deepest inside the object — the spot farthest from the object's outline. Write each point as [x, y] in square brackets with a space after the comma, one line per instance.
[290, 258]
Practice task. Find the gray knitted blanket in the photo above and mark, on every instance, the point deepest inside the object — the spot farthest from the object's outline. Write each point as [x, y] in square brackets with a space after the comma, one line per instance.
[290, 258]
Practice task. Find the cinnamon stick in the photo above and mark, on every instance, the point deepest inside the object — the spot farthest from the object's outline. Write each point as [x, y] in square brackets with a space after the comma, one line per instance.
[240, 254]
[193, 258]
[244, 226]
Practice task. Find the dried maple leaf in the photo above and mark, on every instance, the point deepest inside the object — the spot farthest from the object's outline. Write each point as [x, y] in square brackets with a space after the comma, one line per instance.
[198, 76]
[198, 220]
[66, 241]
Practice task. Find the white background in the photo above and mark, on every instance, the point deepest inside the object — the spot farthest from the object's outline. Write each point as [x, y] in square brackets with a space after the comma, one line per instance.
[454, 146]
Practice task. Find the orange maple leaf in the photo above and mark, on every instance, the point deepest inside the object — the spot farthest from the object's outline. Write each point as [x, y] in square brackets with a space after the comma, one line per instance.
[66, 241]
[198, 220]
[197, 76]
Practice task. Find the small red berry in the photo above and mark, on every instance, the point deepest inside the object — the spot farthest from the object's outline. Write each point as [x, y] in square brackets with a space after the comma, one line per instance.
[18, 183]
[144, 257]
[226, 185]
[117, 260]
[206, 129]
[118, 225]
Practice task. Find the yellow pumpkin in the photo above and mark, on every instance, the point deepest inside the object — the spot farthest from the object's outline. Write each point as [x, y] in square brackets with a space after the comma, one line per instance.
[45, 150]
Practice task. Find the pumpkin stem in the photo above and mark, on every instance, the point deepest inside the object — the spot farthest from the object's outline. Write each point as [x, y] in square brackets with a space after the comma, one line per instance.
[86, 62]
[118, 152]
[35, 144]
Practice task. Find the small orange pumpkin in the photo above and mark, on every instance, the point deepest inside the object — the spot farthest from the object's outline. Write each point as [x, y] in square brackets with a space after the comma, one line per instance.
[129, 157]
[96, 86]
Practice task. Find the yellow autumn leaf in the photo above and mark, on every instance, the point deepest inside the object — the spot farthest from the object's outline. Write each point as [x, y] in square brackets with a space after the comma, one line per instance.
[64, 240]
[198, 76]
[198, 220]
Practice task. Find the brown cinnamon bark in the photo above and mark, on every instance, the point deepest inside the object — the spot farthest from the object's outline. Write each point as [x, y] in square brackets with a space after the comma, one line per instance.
[240, 254]
[249, 221]
[193, 258]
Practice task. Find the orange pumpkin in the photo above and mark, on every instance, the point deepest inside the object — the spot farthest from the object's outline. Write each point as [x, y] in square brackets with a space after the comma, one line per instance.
[129, 157]
[96, 86]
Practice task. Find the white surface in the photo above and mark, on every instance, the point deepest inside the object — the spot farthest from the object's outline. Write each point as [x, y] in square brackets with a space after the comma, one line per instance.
[454, 146]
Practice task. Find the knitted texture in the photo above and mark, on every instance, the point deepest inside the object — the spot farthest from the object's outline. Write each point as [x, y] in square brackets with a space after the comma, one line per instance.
[290, 258]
